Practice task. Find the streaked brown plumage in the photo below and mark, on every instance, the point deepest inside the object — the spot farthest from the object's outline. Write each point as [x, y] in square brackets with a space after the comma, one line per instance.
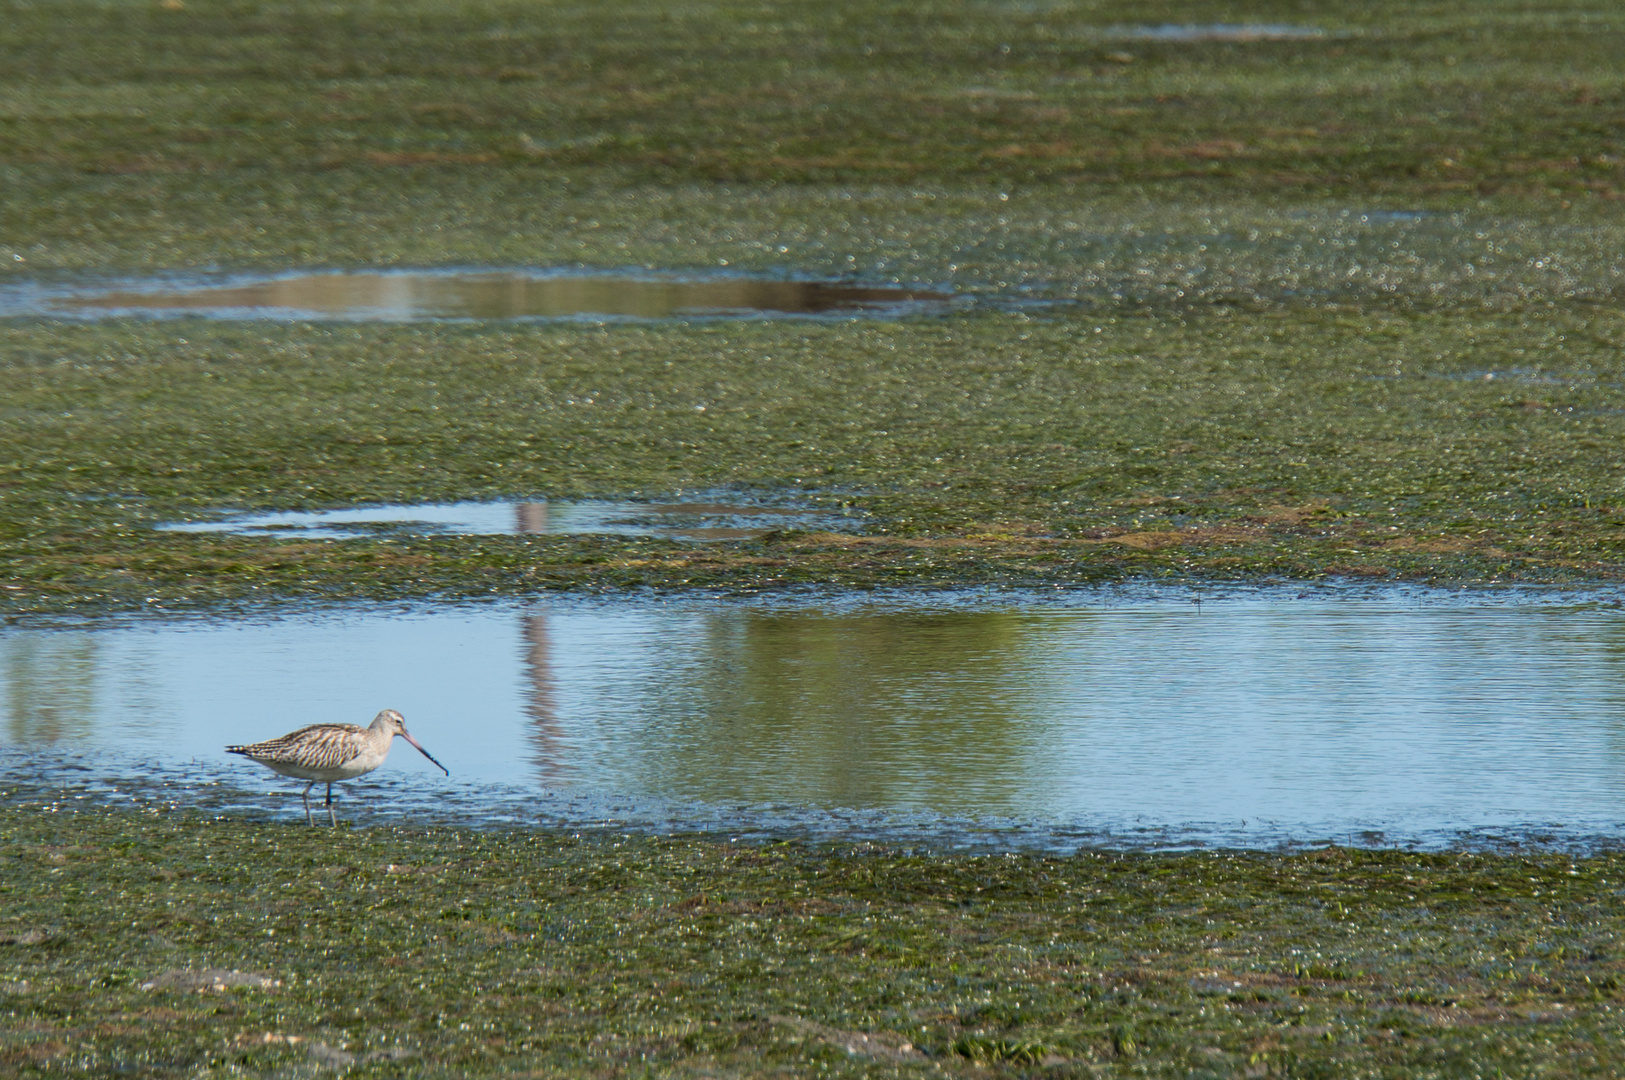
[332, 752]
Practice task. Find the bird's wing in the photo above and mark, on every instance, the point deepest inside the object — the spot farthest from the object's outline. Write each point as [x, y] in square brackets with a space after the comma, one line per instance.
[319, 746]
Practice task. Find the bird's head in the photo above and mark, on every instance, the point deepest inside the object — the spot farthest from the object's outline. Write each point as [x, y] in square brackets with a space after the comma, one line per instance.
[390, 721]
[393, 722]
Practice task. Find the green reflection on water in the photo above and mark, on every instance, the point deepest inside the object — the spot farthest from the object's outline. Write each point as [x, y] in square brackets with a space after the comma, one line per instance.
[50, 685]
[878, 710]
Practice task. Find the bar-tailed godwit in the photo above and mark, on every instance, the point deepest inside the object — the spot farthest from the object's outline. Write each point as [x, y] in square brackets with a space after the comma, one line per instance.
[332, 752]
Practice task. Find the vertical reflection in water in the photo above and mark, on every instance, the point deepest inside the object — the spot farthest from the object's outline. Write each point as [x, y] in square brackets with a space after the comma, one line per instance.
[530, 517]
[541, 698]
[50, 686]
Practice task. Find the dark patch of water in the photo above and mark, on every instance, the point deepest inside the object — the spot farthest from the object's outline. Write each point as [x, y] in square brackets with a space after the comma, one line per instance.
[1387, 215]
[1255, 719]
[406, 296]
[1529, 376]
[1220, 32]
[678, 521]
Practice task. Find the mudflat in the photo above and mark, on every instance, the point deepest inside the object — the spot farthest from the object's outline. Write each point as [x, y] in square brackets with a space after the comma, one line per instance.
[1304, 297]
[1332, 294]
[179, 943]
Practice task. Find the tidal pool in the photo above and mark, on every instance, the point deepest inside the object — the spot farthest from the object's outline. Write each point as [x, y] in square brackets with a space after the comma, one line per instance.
[1222, 32]
[1264, 716]
[709, 520]
[408, 295]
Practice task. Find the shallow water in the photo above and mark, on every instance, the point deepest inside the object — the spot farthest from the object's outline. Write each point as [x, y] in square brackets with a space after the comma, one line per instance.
[1222, 32]
[710, 520]
[1263, 716]
[404, 296]
[1020, 250]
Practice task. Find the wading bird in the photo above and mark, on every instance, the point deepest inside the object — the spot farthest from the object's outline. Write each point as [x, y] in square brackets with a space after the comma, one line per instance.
[332, 752]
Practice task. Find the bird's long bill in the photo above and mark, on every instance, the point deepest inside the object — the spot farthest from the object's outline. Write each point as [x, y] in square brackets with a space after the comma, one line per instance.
[424, 752]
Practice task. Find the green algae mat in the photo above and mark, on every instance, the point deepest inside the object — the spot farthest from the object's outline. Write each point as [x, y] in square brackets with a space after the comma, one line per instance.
[174, 944]
[1291, 292]
[1274, 291]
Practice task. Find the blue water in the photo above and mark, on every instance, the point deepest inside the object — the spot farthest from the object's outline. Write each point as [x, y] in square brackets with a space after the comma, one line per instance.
[1259, 714]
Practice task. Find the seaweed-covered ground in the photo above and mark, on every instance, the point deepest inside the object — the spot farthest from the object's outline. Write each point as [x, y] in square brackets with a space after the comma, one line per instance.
[179, 944]
[1339, 297]
[984, 448]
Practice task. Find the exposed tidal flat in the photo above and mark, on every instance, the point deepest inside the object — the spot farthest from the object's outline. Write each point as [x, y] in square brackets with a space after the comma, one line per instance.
[1296, 293]
[172, 942]
[990, 448]
[1316, 293]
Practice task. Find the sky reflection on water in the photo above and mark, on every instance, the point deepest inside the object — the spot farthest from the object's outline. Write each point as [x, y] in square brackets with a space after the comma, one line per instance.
[709, 520]
[1340, 710]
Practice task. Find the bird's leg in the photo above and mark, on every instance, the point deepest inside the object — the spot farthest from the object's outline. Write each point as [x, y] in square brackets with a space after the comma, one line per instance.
[308, 820]
[330, 818]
